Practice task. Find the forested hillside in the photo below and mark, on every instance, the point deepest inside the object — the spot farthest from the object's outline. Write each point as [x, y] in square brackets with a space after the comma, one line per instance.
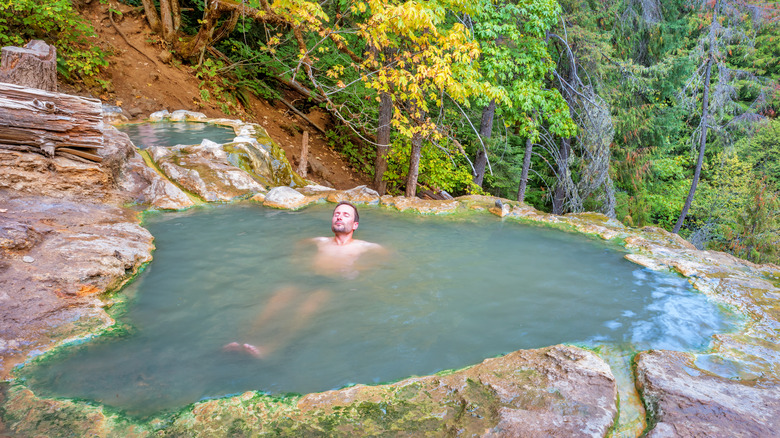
[654, 112]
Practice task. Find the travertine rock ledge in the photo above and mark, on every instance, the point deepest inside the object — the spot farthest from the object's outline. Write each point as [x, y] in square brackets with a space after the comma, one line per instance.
[553, 391]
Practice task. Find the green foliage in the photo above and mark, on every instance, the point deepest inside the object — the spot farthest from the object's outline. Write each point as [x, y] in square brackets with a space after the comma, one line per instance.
[439, 169]
[670, 168]
[214, 83]
[515, 61]
[358, 154]
[743, 212]
[57, 23]
[762, 151]
[762, 57]
[755, 235]
[665, 190]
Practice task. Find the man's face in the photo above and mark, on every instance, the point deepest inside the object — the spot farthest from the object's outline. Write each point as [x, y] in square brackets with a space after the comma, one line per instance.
[343, 221]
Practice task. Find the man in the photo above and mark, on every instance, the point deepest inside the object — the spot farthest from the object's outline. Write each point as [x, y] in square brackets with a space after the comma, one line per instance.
[338, 254]
[336, 257]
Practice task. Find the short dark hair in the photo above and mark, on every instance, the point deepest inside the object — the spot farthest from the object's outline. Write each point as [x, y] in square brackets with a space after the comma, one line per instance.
[357, 215]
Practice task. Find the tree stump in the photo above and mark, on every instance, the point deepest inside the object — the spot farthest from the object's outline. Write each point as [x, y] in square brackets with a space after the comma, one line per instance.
[33, 66]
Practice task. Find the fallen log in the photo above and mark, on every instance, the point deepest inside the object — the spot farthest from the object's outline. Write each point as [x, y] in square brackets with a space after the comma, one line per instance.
[426, 193]
[303, 116]
[50, 123]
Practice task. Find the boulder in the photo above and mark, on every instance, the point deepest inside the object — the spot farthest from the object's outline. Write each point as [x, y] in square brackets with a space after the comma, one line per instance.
[286, 198]
[357, 195]
[422, 206]
[254, 151]
[148, 188]
[159, 116]
[205, 171]
[684, 400]
[187, 116]
[58, 256]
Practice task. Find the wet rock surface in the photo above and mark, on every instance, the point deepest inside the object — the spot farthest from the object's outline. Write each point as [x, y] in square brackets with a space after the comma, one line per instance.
[287, 198]
[357, 195]
[685, 400]
[554, 391]
[148, 188]
[57, 257]
[204, 170]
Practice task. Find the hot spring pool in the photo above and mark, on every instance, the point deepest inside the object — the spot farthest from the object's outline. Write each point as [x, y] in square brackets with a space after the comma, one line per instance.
[167, 133]
[449, 293]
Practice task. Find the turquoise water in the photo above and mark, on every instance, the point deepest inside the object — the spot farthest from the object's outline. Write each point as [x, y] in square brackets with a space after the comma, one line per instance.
[448, 293]
[145, 135]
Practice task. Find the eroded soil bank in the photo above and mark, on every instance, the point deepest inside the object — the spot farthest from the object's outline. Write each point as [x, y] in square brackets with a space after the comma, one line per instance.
[69, 240]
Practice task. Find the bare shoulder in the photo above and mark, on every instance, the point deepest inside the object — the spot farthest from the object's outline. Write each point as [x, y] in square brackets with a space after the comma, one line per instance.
[369, 246]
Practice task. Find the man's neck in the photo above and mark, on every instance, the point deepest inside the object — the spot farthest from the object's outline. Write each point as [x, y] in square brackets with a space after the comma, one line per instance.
[342, 239]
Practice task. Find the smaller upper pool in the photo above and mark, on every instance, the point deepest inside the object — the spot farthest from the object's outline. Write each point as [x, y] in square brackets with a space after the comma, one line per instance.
[145, 135]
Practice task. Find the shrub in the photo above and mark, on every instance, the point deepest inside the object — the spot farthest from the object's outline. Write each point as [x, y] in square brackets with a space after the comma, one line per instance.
[56, 22]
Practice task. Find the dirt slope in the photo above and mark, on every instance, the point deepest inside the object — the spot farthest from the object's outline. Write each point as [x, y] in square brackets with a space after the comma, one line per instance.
[141, 83]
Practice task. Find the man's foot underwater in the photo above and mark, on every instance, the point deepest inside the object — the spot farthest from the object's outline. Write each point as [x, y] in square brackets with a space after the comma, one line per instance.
[243, 348]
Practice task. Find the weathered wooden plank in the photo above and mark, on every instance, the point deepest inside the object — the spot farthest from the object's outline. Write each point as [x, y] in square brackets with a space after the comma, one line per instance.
[54, 123]
[82, 154]
[13, 135]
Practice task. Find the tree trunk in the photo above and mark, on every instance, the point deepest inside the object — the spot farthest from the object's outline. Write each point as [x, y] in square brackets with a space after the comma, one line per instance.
[152, 17]
[702, 147]
[414, 165]
[485, 131]
[166, 19]
[34, 65]
[383, 141]
[559, 195]
[705, 105]
[526, 167]
[303, 164]
[176, 14]
[33, 120]
[208, 33]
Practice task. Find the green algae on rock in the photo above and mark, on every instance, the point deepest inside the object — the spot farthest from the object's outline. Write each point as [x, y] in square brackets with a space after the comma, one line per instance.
[560, 390]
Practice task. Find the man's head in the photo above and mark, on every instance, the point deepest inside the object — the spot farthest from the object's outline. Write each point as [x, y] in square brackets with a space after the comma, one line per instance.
[345, 218]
